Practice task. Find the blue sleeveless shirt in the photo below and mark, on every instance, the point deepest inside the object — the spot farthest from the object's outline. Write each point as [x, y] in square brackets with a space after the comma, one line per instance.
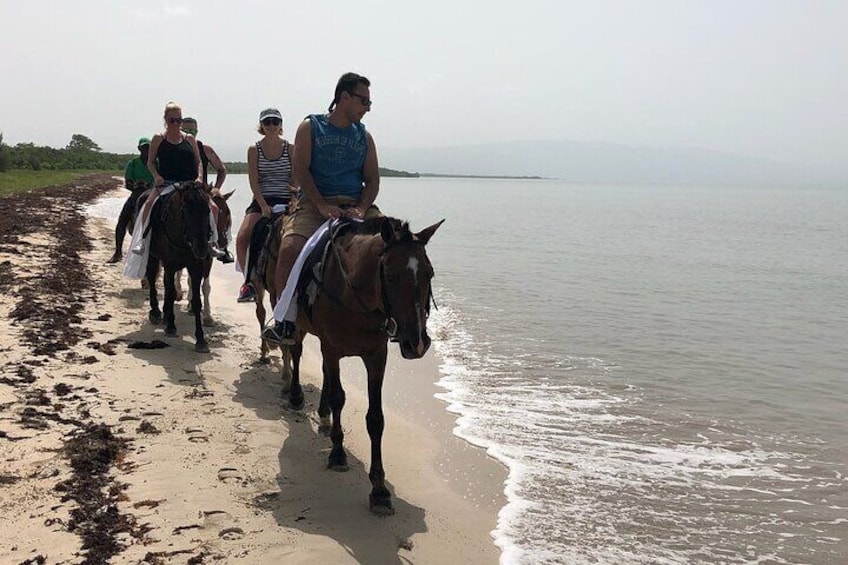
[337, 157]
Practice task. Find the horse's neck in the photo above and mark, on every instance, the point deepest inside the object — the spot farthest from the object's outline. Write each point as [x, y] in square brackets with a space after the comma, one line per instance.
[360, 255]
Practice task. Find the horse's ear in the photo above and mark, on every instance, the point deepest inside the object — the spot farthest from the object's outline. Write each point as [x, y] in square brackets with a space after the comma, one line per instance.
[387, 231]
[425, 234]
[227, 195]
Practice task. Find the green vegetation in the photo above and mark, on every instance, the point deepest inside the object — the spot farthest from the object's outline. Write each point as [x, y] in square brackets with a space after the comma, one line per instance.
[81, 153]
[12, 182]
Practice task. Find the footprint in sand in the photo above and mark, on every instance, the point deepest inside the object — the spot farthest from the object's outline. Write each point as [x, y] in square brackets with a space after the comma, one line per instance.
[231, 534]
[213, 408]
[230, 475]
[215, 518]
[197, 435]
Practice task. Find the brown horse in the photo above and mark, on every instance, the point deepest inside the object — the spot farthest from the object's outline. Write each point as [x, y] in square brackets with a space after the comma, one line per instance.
[375, 285]
[262, 277]
[180, 240]
[225, 222]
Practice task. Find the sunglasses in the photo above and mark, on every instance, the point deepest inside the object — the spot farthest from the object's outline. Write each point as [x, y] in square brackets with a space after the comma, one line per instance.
[175, 120]
[364, 99]
[271, 121]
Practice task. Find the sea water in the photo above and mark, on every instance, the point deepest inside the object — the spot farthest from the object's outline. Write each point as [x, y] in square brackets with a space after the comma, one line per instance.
[661, 368]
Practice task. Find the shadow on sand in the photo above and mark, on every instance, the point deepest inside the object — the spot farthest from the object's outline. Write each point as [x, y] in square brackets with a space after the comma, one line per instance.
[314, 500]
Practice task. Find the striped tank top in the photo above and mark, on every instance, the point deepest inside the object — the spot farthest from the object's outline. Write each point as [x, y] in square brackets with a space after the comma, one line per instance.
[274, 174]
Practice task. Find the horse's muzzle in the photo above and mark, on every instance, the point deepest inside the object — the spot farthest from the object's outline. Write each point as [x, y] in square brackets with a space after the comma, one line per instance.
[414, 348]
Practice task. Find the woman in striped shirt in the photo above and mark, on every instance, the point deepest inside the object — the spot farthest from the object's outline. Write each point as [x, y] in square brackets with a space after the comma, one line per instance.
[269, 164]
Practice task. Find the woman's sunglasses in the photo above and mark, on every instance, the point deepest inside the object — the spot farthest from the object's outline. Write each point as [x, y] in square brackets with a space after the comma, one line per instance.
[271, 121]
[175, 120]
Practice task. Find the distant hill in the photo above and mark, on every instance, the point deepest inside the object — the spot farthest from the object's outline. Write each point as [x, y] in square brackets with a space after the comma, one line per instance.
[597, 162]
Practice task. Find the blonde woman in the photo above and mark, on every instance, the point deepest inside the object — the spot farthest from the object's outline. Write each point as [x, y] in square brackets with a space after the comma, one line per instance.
[269, 167]
[173, 158]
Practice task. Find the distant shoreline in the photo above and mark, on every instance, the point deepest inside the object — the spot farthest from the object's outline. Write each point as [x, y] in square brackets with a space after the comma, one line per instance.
[237, 167]
[519, 177]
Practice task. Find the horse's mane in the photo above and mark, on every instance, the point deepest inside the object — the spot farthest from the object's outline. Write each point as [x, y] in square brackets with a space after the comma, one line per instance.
[373, 226]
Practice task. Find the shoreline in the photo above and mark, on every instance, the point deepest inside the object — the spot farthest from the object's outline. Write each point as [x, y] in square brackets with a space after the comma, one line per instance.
[214, 466]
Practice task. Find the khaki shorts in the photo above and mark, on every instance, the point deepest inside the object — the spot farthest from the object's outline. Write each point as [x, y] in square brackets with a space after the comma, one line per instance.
[306, 218]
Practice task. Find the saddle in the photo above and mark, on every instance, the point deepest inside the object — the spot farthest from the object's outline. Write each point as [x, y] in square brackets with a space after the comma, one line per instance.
[262, 230]
[310, 283]
[157, 213]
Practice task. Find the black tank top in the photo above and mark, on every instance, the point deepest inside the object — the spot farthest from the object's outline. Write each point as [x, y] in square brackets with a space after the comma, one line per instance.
[176, 161]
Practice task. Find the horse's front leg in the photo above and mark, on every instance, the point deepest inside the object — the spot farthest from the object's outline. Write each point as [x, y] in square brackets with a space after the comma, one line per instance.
[168, 306]
[178, 285]
[207, 308]
[195, 275]
[380, 499]
[336, 398]
[292, 384]
[325, 425]
[152, 269]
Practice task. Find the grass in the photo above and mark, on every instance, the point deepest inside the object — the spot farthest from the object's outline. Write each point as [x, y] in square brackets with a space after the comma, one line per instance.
[15, 181]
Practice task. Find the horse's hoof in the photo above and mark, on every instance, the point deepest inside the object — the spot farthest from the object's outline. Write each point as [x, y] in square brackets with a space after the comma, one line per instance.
[171, 332]
[381, 505]
[201, 347]
[296, 403]
[208, 321]
[325, 430]
[338, 461]
[264, 361]
[155, 318]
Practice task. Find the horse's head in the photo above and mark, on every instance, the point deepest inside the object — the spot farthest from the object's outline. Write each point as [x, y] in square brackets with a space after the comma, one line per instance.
[406, 273]
[225, 217]
[192, 201]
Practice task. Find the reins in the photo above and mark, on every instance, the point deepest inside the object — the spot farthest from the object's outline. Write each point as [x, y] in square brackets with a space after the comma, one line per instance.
[387, 324]
[182, 245]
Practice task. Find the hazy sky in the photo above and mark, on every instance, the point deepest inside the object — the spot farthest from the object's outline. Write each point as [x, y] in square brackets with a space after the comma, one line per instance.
[764, 78]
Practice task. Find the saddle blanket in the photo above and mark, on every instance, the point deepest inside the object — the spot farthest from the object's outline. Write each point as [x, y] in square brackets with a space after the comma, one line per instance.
[286, 307]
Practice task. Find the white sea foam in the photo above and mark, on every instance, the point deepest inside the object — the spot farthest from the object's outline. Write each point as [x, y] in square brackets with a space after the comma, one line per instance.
[593, 475]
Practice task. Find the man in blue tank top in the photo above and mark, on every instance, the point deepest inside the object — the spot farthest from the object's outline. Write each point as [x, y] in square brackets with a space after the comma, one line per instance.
[335, 163]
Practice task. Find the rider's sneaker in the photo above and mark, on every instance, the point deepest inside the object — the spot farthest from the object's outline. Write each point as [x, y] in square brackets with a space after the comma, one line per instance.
[117, 256]
[246, 293]
[227, 257]
[215, 251]
[281, 333]
[139, 249]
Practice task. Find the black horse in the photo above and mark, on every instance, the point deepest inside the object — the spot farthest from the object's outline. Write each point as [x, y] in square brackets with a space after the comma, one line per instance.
[179, 239]
[374, 285]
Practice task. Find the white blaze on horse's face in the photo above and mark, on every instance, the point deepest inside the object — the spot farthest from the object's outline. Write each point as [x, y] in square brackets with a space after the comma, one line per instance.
[412, 265]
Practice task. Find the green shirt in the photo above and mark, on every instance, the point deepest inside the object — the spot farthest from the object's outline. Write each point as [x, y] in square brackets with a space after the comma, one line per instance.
[137, 175]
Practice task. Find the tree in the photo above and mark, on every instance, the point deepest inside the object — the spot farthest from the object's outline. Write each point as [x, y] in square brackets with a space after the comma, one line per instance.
[4, 156]
[79, 142]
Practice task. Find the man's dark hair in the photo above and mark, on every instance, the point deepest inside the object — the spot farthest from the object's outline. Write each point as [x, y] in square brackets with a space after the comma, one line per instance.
[347, 83]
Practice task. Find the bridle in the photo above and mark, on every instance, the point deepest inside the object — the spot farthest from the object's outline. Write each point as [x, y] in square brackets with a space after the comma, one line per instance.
[386, 322]
[180, 188]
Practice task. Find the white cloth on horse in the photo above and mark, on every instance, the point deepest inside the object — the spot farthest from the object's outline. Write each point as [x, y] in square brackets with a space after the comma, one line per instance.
[135, 265]
[213, 234]
[286, 307]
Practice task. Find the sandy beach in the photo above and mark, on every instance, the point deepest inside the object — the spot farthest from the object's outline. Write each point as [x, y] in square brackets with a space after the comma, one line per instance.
[115, 454]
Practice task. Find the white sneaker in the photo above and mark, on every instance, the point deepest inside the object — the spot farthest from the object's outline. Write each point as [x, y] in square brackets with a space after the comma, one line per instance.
[216, 251]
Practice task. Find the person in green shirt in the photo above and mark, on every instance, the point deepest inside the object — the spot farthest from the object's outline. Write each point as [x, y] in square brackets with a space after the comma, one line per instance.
[137, 179]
